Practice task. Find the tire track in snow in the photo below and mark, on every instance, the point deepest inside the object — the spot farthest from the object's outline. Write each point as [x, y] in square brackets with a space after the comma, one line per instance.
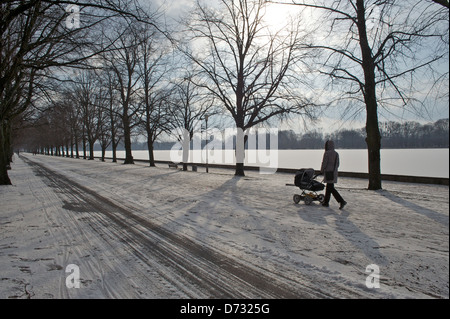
[73, 228]
[196, 270]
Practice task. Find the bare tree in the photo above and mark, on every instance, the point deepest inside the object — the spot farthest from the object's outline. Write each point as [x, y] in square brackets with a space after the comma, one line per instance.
[53, 126]
[113, 109]
[86, 95]
[156, 118]
[189, 106]
[105, 130]
[123, 60]
[245, 66]
[74, 120]
[153, 68]
[377, 50]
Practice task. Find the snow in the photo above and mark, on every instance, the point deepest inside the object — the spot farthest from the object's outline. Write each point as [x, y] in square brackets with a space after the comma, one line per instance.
[323, 252]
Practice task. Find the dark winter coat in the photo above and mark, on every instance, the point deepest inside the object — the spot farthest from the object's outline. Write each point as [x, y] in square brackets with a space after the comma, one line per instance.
[330, 162]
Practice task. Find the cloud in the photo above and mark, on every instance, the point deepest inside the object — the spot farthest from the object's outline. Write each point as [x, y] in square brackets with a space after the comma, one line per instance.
[175, 8]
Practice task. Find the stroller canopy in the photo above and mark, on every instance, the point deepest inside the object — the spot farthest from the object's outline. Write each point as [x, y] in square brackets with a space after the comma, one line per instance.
[304, 178]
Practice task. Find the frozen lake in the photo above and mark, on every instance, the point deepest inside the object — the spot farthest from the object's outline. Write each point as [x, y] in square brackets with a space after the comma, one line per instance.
[410, 162]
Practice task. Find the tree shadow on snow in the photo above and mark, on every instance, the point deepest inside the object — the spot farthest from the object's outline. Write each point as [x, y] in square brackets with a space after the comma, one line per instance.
[359, 239]
[225, 203]
[431, 214]
[348, 230]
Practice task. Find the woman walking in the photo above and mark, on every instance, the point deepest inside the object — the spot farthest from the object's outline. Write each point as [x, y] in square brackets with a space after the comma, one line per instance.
[329, 169]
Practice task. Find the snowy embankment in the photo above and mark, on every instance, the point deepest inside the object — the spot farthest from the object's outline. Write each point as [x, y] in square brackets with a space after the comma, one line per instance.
[217, 227]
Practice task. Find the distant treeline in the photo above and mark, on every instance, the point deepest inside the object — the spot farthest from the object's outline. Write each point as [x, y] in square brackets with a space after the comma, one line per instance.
[394, 135]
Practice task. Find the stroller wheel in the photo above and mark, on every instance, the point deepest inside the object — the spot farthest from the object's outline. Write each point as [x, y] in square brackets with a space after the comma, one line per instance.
[321, 198]
[308, 200]
[297, 198]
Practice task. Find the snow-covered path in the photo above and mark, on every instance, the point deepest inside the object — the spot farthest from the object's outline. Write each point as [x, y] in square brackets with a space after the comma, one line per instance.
[140, 232]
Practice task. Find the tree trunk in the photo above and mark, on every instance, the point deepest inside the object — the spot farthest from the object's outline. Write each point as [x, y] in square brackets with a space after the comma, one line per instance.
[71, 147]
[4, 149]
[77, 151]
[241, 139]
[113, 135]
[151, 154]
[114, 151]
[186, 147]
[4, 178]
[103, 153]
[91, 150]
[127, 141]
[84, 147]
[373, 131]
[185, 158]
[373, 145]
[239, 169]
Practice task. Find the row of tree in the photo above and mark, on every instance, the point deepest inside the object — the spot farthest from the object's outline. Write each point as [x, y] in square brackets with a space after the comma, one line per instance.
[75, 72]
[89, 113]
[39, 41]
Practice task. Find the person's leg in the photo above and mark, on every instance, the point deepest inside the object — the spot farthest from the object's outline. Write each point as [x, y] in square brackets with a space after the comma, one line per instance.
[326, 200]
[338, 198]
[336, 195]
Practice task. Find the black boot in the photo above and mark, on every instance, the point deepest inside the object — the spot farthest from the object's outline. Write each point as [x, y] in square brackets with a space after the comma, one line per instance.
[343, 203]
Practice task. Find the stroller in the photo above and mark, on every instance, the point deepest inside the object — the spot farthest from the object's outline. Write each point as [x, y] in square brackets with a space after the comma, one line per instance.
[305, 180]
